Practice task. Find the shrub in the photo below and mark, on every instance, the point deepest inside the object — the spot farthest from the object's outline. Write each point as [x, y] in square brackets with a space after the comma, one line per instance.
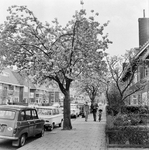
[129, 135]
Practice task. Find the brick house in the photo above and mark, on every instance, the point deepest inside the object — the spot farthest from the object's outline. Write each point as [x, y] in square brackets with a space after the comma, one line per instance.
[20, 89]
[10, 88]
[141, 75]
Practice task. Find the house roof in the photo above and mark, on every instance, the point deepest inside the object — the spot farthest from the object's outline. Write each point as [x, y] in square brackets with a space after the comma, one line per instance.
[23, 80]
[7, 77]
[143, 54]
[143, 51]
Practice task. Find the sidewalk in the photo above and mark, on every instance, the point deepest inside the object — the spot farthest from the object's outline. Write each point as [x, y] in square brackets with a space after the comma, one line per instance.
[88, 135]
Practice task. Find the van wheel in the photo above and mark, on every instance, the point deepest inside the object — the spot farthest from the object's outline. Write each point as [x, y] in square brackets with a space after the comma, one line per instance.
[22, 140]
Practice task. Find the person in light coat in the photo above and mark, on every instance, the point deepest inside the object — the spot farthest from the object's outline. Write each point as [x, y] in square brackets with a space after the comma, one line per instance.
[86, 110]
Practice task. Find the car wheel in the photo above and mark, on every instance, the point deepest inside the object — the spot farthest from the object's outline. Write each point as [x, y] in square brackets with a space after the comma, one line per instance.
[52, 127]
[22, 140]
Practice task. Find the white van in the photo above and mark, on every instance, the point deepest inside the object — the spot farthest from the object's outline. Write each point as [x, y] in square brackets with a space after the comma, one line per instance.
[52, 116]
[75, 111]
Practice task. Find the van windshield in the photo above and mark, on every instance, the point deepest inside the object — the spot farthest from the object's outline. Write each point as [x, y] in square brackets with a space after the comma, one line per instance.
[43, 111]
[7, 114]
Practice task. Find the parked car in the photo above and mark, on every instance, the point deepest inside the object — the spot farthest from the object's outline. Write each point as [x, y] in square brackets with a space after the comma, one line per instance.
[52, 116]
[17, 123]
[75, 111]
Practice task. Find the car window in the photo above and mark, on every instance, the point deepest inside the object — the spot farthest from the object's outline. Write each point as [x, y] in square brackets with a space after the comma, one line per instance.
[28, 115]
[44, 111]
[6, 114]
[34, 114]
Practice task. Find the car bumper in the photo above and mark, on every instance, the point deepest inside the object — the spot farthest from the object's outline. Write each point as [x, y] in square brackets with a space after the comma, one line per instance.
[8, 137]
[47, 125]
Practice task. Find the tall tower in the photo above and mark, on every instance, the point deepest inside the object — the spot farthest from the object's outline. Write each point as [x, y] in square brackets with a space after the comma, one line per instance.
[143, 29]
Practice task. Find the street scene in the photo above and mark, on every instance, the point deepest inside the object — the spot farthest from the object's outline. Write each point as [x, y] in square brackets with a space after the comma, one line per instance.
[74, 75]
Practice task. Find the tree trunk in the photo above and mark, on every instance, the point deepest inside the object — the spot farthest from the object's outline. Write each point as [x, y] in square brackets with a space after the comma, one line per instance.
[67, 118]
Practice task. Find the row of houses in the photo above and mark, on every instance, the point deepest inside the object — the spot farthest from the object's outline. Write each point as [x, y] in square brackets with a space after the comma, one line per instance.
[17, 88]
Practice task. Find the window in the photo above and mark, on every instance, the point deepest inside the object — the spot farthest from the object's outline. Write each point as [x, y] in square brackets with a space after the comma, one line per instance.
[54, 111]
[37, 95]
[5, 114]
[34, 114]
[135, 78]
[28, 115]
[134, 100]
[1, 87]
[16, 99]
[42, 111]
[11, 87]
[146, 71]
[22, 116]
[17, 88]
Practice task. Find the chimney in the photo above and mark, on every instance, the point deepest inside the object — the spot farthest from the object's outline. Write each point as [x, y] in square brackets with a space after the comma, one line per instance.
[143, 13]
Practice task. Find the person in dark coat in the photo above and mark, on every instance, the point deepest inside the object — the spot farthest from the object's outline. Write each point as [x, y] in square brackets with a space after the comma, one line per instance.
[94, 107]
[99, 114]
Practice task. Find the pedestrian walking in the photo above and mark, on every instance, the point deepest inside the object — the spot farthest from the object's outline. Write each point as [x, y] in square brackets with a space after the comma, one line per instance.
[94, 107]
[86, 111]
[99, 114]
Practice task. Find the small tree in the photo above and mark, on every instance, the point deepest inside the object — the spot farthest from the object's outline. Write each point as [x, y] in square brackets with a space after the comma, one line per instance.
[122, 90]
[52, 52]
[93, 81]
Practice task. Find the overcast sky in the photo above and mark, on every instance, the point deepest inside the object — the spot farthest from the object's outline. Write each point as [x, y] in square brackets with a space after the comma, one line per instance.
[122, 14]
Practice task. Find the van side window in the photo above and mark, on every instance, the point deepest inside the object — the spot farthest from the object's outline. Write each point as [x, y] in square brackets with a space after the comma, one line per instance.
[28, 115]
[22, 116]
[34, 114]
[54, 111]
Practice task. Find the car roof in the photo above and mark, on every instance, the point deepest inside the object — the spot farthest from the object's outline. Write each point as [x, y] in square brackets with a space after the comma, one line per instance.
[73, 104]
[47, 107]
[14, 107]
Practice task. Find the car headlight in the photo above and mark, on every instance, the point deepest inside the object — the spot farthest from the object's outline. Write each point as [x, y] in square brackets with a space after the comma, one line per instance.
[9, 128]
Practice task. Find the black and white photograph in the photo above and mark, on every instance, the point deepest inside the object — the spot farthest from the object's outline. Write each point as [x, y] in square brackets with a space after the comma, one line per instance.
[74, 74]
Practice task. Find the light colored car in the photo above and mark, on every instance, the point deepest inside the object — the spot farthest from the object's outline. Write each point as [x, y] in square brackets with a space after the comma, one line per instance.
[52, 116]
[17, 123]
[75, 111]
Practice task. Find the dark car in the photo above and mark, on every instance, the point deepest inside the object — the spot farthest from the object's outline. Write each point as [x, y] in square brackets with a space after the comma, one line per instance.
[17, 123]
